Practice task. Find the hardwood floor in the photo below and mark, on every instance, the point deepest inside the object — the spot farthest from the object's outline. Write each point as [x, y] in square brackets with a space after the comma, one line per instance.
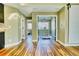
[24, 50]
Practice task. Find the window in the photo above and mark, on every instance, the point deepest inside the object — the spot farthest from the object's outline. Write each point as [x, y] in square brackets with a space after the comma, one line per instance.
[29, 26]
[43, 25]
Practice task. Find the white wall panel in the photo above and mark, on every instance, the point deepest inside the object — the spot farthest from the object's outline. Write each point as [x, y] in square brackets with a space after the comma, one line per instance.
[74, 24]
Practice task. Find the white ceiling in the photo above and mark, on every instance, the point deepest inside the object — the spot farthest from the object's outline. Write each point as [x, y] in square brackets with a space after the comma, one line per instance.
[28, 8]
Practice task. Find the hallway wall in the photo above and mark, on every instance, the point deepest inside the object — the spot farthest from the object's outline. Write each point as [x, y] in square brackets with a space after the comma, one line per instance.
[12, 21]
[74, 24]
[68, 25]
[61, 25]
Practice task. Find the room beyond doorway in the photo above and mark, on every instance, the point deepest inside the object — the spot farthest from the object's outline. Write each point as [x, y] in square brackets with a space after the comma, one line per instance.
[47, 26]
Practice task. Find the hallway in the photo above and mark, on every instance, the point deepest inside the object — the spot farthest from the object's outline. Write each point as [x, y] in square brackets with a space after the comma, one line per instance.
[22, 50]
[36, 29]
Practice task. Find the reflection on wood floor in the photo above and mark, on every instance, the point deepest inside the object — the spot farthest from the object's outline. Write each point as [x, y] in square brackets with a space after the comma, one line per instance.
[24, 50]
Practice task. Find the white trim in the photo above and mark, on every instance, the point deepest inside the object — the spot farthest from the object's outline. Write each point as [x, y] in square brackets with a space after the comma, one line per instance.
[61, 42]
[72, 44]
[34, 40]
[68, 44]
[13, 44]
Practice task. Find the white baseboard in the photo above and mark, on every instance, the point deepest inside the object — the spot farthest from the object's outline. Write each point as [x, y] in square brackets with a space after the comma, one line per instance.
[68, 44]
[13, 44]
[61, 42]
[72, 44]
[34, 40]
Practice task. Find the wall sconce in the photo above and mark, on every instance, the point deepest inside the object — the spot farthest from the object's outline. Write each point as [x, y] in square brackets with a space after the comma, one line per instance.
[68, 6]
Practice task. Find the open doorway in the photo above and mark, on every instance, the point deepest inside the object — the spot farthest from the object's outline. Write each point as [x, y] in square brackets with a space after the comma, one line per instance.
[29, 32]
[47, 33]
[29, 26]
[47, 26]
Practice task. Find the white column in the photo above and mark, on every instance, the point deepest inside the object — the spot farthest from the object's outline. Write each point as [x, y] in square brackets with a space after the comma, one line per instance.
[22, 27]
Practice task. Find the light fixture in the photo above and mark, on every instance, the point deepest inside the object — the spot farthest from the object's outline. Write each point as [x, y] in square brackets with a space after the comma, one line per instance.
[22, 4]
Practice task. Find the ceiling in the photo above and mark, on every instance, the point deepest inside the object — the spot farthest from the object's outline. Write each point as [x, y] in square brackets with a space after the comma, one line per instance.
[28, 8]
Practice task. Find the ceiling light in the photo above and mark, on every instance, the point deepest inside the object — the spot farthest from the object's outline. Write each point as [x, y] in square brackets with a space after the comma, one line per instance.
[22, 4]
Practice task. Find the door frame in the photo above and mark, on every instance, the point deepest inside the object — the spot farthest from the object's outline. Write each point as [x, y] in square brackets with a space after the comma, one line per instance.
[56, 24]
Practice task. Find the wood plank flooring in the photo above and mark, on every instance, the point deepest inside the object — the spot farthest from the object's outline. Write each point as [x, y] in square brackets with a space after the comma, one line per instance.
[24, 50]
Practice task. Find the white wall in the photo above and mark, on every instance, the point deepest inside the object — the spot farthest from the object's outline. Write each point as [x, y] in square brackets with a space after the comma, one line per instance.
[74, 24]
[15, 23]
[12, 33]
